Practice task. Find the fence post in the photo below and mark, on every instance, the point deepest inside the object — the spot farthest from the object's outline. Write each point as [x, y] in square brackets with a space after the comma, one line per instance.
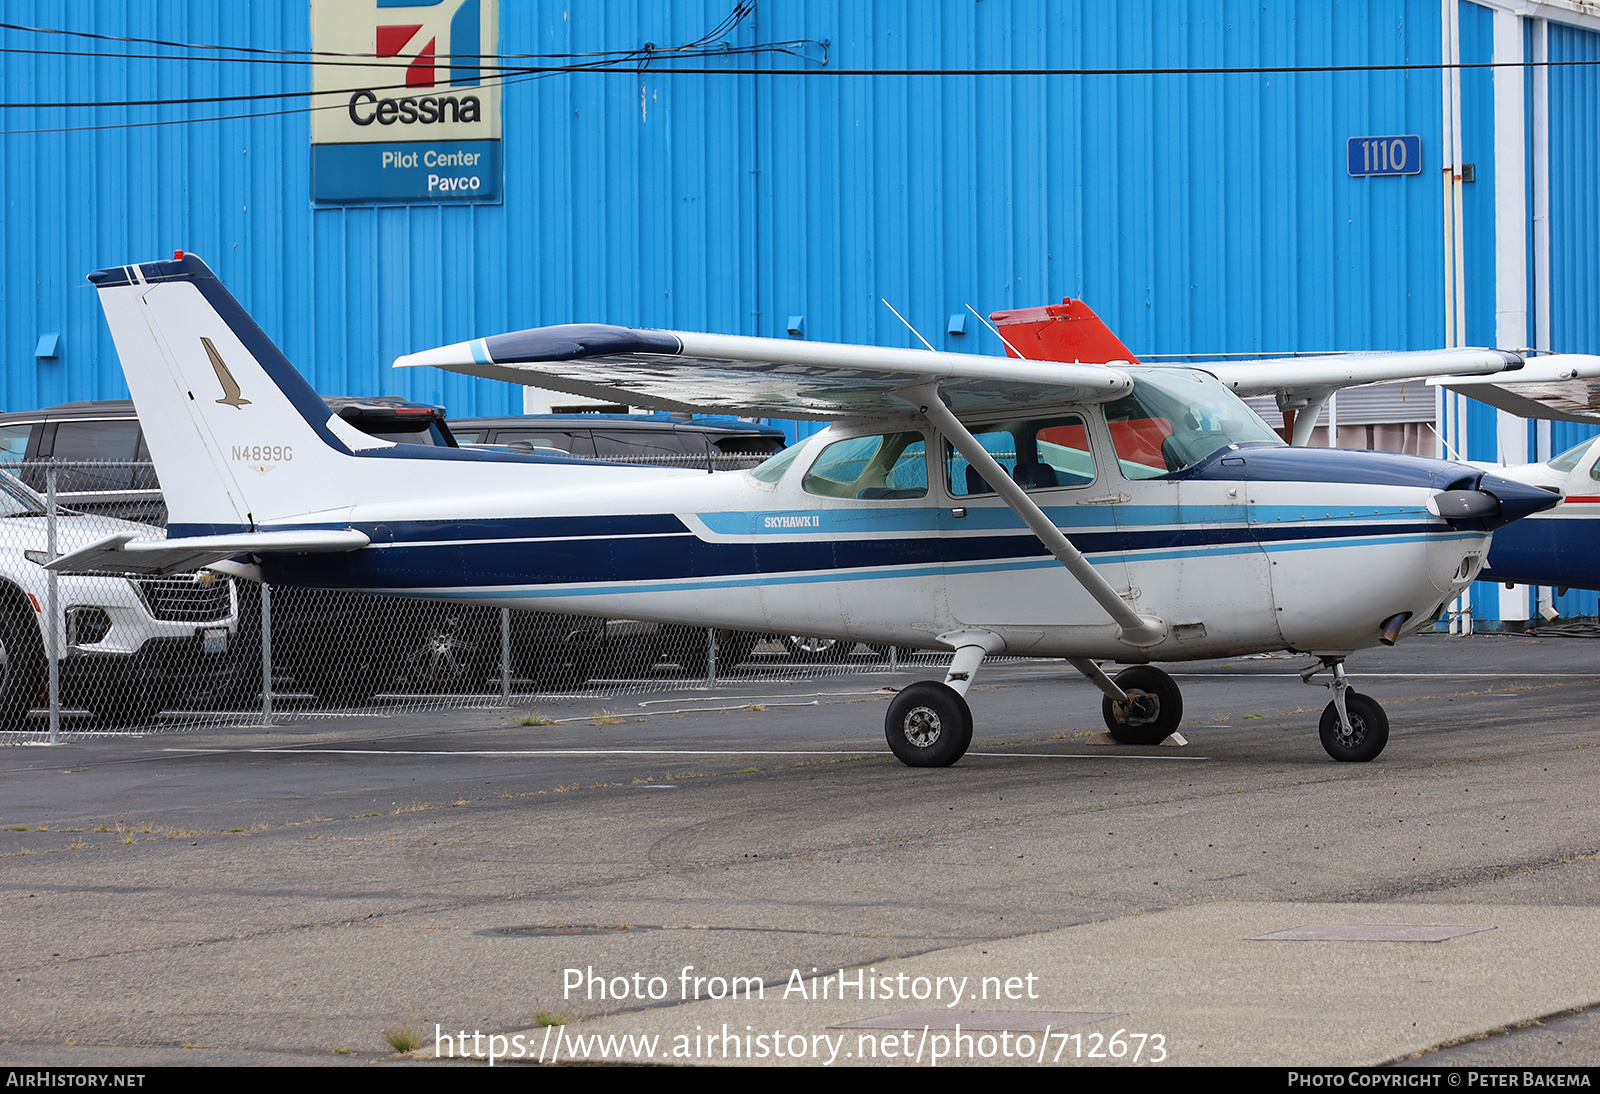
[711, 657]
[53, 613]
[266, 653]
[894, 658]
[505, 657]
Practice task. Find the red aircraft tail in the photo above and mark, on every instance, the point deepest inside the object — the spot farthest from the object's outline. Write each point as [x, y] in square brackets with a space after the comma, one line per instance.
[1067, 331]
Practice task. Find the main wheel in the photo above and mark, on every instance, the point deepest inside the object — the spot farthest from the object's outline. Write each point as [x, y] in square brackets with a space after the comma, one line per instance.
[1369, 729]
[928, 725]
[1153, 710]
[22, 667]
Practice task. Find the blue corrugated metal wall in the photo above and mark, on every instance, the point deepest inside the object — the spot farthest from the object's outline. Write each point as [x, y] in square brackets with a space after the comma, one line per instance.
[1196, 213]
[1574, 228]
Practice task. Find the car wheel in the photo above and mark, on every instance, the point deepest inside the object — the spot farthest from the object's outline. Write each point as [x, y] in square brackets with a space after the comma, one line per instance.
[344, 683]
[22, 667]
[450, 654]
[570, 664]
[687, 646]
[817, 650]
[131, 707]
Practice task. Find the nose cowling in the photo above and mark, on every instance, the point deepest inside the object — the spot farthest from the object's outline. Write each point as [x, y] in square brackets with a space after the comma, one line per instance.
[1515, 500]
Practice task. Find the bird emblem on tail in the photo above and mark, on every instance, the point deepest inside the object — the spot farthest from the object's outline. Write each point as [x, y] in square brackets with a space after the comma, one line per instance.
[230, 386]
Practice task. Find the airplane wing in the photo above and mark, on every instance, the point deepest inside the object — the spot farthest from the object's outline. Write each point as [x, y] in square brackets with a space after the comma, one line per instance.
[1296, 375]
[765, 377]
[1563, 387]
[1302, 385]
[123, 553]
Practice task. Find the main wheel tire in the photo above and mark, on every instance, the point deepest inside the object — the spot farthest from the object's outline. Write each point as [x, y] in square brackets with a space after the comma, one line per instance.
[817, 650]
[1369, 729]
[22, 667]
[1154, 709]
[928, 725]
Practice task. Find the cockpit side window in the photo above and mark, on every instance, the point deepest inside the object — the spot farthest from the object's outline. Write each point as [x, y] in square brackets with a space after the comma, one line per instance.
[882, 467]
[1038, 454]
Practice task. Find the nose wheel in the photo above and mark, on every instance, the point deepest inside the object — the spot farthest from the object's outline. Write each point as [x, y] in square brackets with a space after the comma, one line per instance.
[1354, 727]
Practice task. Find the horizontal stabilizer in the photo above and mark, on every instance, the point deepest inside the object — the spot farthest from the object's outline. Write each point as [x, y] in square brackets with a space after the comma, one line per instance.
[123, 553]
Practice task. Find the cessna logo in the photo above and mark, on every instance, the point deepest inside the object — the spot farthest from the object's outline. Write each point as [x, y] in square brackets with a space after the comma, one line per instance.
[366, 108]
[411, 41]
[230, 386]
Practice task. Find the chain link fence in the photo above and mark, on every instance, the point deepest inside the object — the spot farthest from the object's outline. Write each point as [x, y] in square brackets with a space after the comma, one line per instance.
[129, 653]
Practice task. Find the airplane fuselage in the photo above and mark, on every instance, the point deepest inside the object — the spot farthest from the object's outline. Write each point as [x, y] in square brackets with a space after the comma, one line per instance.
[1255, 548]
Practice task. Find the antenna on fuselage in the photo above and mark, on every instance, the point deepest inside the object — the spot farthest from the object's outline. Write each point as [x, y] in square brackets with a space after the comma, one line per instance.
[909, 327]
[995, 332]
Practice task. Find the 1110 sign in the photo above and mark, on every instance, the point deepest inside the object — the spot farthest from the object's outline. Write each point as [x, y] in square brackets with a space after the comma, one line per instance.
[1384, 155]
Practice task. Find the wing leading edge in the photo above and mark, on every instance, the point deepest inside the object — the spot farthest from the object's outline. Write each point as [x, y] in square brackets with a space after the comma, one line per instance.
[768, 377]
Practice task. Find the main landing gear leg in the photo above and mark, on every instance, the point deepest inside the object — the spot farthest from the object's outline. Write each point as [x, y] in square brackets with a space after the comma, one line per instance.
[1143, 705]
[929, 724]
[1354, 727]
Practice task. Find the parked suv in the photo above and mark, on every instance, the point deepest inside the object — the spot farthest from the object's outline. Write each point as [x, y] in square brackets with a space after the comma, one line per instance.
[345, 647]
[127, 646]
[712, 443]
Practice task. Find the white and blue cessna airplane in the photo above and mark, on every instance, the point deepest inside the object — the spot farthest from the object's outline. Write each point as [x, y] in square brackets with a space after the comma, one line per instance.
[979, 504]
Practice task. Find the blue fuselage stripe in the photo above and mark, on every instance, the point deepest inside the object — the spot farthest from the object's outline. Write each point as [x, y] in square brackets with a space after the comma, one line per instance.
[640, 550]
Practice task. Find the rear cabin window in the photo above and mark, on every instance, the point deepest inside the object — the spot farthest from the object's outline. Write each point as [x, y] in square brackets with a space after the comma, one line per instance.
[1038, 454]
[885, 467]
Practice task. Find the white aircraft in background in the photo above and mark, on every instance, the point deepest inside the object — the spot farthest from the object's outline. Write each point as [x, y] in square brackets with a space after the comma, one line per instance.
[979, 504]
[1557, 547]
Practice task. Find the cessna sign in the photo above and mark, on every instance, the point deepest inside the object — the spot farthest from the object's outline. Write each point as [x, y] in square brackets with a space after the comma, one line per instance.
[408, 101]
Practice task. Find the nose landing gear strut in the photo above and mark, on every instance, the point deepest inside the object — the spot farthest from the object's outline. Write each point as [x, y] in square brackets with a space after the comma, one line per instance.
[1354, 727]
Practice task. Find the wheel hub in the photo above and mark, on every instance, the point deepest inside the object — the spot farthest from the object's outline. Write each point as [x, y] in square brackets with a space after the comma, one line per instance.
[923, 727]
[1357, 733]
[1141, 709]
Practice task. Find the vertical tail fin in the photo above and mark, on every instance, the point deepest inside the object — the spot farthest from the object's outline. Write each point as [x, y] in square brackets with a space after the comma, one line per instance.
[1068, 331]
[239, 439]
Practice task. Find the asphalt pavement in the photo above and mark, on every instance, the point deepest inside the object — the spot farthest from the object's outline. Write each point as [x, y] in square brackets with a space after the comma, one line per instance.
[603, 866]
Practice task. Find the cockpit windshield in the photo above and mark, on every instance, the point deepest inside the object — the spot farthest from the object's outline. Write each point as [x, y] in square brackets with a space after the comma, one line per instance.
[1175, 418]
[1573, 456]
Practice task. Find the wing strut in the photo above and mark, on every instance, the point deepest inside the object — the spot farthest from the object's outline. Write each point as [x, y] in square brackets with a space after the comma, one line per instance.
[1134, 629]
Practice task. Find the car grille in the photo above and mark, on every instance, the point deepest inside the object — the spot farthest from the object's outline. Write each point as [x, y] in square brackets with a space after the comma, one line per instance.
[187, 599]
